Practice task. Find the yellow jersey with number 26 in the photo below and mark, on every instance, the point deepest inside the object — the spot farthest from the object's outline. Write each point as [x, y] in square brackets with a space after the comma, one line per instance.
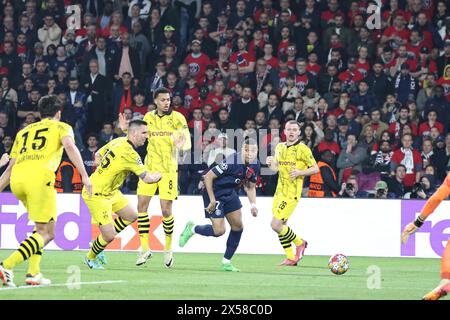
[296, 156]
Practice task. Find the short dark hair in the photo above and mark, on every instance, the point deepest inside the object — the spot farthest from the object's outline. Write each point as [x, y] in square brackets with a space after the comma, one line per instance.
[90, 135]
[49, 106]
[159, 91]
[136, 123]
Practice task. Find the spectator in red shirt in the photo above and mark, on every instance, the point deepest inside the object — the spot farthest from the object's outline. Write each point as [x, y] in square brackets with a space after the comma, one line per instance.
[268, 56]
[197, 123]
[178, 105]
[267, 9]
[425, 127]
[410, 158]
[256, 45]
[403, 119]
[328, 143]
[425, 65]
[197, 60]
[396, 35]
[116, 20]
[351, 76]
[327, 17]
[139, 105]
[244, 60]
[444, 81]
[215, 97]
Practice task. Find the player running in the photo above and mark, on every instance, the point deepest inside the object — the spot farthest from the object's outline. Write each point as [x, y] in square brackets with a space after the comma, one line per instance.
[221, 200]
[35, 157]
[168, 133]
[294, 161]
[115, 161]
[432, 203]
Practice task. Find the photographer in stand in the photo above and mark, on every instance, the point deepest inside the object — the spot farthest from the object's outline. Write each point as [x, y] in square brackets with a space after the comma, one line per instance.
[349, 189]
[381, 190]
[423, 189]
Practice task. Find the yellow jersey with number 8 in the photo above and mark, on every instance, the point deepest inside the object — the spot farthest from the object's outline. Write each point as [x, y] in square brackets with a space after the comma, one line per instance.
[296, 156]
[38, 147]
[162, 155]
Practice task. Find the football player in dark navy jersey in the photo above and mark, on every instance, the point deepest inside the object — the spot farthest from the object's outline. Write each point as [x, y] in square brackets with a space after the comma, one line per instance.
[221, 199]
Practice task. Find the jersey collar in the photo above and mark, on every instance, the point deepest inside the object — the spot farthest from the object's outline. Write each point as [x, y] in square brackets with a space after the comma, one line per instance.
[165, 114]
[132, 145]
[296, 143]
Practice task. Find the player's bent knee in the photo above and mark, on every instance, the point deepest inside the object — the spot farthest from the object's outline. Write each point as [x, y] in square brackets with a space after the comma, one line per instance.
[219, 232]
[276, 226]
[109, 236]
[51, 236]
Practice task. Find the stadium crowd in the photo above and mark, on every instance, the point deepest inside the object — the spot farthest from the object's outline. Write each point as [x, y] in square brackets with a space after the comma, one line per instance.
[373, 101]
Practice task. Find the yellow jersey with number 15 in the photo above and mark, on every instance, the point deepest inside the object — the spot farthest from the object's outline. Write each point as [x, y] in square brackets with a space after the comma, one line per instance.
[38, 147]
[296, 156]
[118, 159]
[162, 155]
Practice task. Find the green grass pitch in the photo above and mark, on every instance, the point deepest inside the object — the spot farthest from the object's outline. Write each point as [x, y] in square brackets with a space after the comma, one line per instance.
[197, 276]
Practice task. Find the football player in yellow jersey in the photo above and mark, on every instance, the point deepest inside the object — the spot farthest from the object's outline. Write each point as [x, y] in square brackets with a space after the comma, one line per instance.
[115, 161]
[35, 156]
[294, 161]
[168, 134]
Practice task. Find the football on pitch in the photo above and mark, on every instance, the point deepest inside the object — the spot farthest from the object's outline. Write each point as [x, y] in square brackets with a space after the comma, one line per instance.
[338, 264]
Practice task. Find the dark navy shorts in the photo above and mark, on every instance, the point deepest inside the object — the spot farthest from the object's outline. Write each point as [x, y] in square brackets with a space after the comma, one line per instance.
[224, 204]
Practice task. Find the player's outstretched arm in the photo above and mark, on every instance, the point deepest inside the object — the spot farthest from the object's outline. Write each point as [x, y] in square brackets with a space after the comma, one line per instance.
[75, 156]
[150, 177]
[4, 179]
[209, 179]
[432, 203]
[250, 189]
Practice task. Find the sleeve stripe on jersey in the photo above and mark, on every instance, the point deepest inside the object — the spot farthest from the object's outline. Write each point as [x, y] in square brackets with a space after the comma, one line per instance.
[219, 170]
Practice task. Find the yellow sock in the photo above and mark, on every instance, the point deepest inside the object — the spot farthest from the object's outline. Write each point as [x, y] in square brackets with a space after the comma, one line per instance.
[98, 246]
[286, 237]
[144, 228]
[29, 247]
[34, 263]
[168, 230]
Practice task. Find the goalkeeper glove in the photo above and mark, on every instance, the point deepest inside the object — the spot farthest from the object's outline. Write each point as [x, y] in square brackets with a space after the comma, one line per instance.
[411, 228]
